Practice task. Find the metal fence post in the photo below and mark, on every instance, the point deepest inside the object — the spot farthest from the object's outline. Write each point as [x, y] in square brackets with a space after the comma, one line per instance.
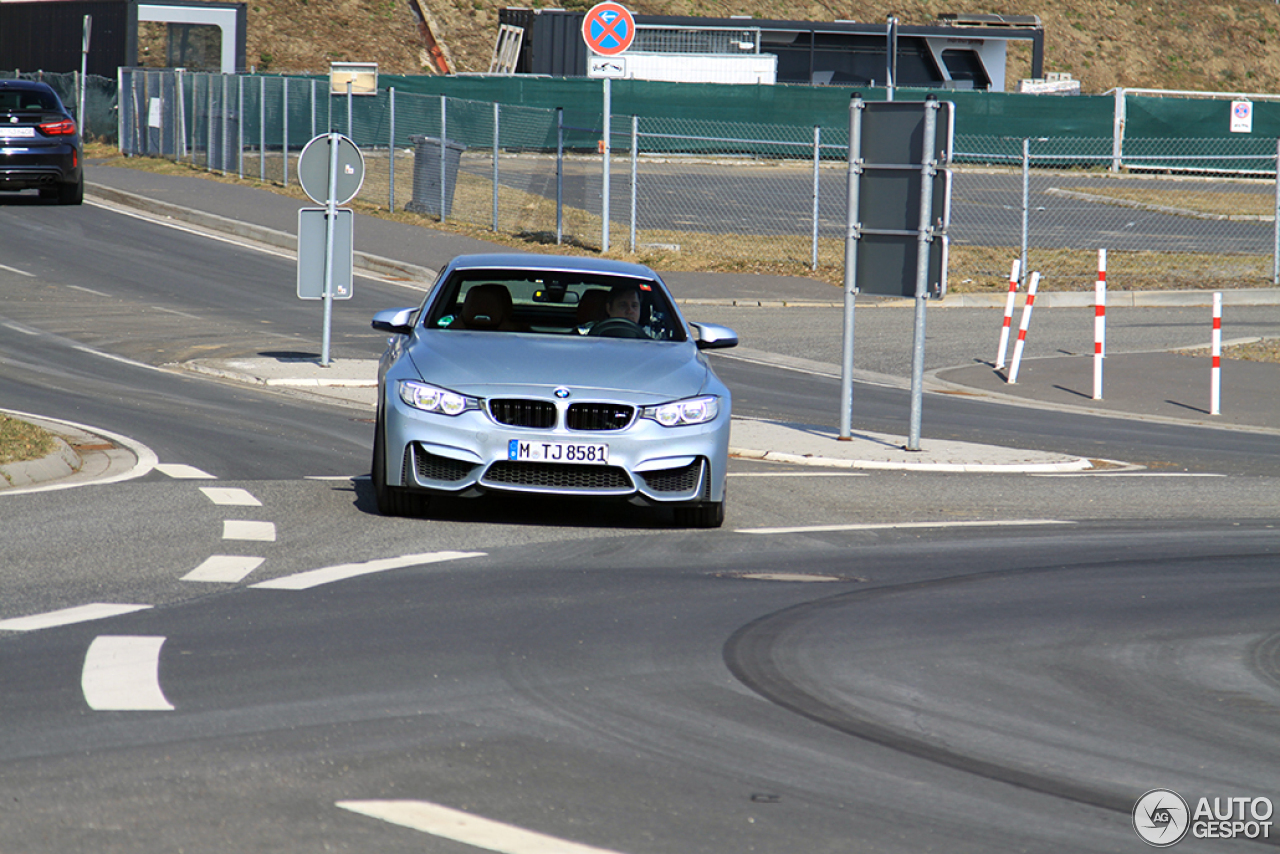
[444, 124]
[208, 122]
[226, 120]
[1275, 224]
[1117, 130]
[240, 126]
[262, 129]
[1026, 203]
[313, 109]
[635, 137]
[497, 123]
[391, 150]
[180, 143]
[559, 175]
[351, 131]
[817, 156]
[284, 126]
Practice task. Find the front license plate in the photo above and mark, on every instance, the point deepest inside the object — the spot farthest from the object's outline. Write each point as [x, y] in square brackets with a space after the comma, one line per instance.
[557, 452]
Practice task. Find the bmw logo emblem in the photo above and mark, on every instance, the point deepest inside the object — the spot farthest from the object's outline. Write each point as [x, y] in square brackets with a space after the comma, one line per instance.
[561, 393]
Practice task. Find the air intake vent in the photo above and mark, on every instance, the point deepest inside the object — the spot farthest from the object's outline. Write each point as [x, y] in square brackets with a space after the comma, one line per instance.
[514, 412]
[599, 416]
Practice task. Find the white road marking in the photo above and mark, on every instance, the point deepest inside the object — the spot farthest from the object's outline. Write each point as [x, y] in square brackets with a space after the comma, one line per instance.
[230, 496]
[113, 357]
[224, 569]
[798, 474]
[466, 828]
[19, 272]
[239, 529]
[122, 673]
[341, 572]
[177, 471]
[175, 311]
[23, 329]
[68, 616]
[1130, 474]
[815, 529]
[89, 291]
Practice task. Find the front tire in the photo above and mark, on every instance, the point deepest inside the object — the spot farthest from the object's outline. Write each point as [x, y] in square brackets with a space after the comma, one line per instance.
[708, 515]
[391, 500]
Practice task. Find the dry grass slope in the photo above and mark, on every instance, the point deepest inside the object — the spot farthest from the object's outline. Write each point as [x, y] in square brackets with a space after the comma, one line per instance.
[1163, 44]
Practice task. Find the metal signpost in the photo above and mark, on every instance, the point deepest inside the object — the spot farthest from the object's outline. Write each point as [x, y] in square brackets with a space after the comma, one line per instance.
[608, 29]
[896, 222]
[331, 170]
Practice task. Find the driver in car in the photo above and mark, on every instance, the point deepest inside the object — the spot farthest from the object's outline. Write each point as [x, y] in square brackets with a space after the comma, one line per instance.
[624, 302]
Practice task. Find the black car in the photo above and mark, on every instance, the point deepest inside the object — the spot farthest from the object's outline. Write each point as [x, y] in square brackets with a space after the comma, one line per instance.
[40, 145]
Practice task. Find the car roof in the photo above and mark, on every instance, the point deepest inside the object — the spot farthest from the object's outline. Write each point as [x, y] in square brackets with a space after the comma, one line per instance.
[564, 263]
[29, 85]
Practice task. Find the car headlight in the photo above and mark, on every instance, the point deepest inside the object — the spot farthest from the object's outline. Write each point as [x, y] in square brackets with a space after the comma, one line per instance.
[679, 413]
[429, 398]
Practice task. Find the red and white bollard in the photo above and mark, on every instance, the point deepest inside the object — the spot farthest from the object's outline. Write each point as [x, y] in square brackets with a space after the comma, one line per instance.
[1022, 327]
[1215, 374]
[1008, 313]
[1099, 323]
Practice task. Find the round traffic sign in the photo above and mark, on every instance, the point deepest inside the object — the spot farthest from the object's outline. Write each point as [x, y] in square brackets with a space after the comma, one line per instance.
[608, 29]
[314, 165]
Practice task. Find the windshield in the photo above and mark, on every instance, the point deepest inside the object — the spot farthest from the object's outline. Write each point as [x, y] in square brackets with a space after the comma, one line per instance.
[554, 303]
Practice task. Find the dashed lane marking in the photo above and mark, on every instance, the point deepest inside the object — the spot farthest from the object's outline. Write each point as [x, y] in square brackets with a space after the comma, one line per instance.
[466, 828]
[341, 572]
[230, 496]
[798, 474]
[224, 569]
[68, 616]
[177, 471]
[817, 529]
[239, 529]
[122, 673]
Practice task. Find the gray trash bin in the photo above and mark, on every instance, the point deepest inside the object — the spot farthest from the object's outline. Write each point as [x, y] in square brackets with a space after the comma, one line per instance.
[426, 174]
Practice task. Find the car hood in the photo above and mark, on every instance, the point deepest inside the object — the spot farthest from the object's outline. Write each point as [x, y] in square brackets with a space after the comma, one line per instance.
[493, 363]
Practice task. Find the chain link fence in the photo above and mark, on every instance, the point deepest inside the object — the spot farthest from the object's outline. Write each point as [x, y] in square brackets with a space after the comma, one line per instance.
[1179, 214]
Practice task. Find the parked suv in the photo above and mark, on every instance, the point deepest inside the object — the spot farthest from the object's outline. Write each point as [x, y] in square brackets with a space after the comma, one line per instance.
[40, 144]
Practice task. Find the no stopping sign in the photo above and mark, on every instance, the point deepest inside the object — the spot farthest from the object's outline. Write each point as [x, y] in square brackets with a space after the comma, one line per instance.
[608, 29]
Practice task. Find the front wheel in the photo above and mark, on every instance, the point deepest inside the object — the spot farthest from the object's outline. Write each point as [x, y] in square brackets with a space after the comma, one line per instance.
[391, 500]
[708, 515]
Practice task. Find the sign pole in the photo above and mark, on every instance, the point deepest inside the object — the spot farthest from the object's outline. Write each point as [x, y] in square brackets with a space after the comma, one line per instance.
[852, 226]
[330, 220]
[929, 169]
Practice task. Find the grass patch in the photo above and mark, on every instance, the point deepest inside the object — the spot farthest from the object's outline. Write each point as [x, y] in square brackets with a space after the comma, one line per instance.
[20, 441]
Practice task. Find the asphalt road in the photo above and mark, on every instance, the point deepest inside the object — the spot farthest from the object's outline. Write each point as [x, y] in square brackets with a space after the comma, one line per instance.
[1008, 673]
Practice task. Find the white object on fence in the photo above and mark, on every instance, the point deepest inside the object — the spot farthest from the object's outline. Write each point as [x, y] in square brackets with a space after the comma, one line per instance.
[1022, 327]
[1099, 323]
[1215, 374]
[1008, 313]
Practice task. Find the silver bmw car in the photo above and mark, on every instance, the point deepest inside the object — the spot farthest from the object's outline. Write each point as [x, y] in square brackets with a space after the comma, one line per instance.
[551, 375]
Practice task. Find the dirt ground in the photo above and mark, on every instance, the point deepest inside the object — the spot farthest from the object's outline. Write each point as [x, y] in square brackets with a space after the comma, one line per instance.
[1157, 44]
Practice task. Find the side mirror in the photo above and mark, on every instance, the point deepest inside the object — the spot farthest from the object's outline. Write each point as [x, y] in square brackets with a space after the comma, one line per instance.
[713, 336]
[394, 320]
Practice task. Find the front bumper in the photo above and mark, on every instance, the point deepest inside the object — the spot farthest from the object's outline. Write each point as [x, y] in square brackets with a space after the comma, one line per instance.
[469, 455]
